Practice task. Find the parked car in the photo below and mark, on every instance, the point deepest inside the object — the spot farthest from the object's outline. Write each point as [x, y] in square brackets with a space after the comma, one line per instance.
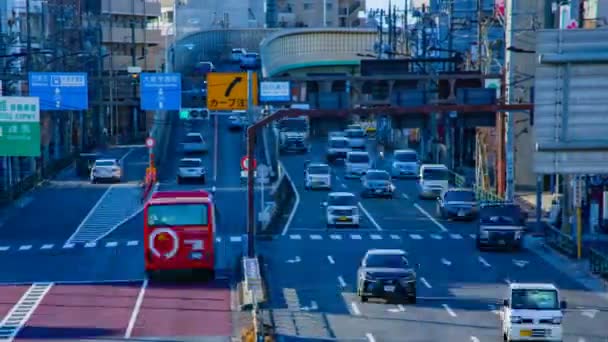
[107, 170]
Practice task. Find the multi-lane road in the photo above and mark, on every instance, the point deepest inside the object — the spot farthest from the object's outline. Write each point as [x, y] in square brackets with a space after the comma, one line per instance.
[312, 271]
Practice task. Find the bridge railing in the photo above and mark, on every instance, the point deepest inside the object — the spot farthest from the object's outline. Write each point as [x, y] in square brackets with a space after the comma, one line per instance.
[309, 47]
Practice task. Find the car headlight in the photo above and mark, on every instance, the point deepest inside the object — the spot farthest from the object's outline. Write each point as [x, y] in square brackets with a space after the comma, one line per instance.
[517, 235]
[484, 234]
[556, 320]
[515, 319]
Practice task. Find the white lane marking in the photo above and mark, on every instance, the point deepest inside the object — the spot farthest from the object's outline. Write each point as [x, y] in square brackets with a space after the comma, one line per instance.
[132, 243]
[375, 237]
[295, 237]
[456, 236]
[336, 237]
[355, 236]
[474, 339]
[341, 281]
[424, 212]
[331, 259]
[294, 260]
[295, 205]
[416, 236]
[449, 310]
[69, 245]
[370, 337]
[473, 236]
[405, 196]
[25, 247]
[520, 263]
[90, 213]
[4, 248]
[426, 283]
[112, 244]
[446, 262]
[90, 244]
[16, 319]
[483, 261]
[355, 308]
[316, 237]
[136, 308]
[401, 308]
[49, 246]
[395, 237]
[590, 313]
[436, 236]
[369, 216]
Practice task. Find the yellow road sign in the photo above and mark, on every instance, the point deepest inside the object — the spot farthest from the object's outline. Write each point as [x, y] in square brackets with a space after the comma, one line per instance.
[228, 90]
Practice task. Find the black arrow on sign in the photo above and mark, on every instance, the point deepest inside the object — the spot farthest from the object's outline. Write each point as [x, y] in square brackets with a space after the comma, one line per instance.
[231, 86]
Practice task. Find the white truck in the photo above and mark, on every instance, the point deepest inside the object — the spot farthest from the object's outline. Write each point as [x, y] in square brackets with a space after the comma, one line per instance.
[532, 312]
[293, 134]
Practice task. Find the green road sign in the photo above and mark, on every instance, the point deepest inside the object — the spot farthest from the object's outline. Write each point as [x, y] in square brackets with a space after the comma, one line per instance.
[19, 127]
[184, 114]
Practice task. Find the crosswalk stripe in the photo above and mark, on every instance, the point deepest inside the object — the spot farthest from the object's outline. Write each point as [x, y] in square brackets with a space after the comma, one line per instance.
[236, 239]
[436, 237]
[316, 237]
[395, 237]
[25, 247]
[48, 246]
[355, 236]
[133, 243]
[112, 244]
[416, 236]
[376, 237]
[295, 237]
[69, 245]
[336, 237]
[456, 236]
[90, 244]
[473, 236]
[4, 248]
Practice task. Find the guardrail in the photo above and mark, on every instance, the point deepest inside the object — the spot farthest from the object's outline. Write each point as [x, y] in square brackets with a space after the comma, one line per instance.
[482, 194]
[561, 242]
[598, 263]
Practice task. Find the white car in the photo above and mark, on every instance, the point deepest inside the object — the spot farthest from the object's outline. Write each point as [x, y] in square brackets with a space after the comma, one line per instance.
[337, 148]
[405, 163]
[341, 209]
[236, 54]
[317, 176]
[533, 312]
[357, 163]
[106, 169]
[356, 138]
[194, 143]
[191, 169]
[433, 180]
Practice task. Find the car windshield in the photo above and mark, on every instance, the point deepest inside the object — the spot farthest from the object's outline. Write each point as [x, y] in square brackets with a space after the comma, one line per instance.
[355, 133]
[193, 139]
[386, 260]
[406, 157]
[105, 163]
[358, 158]
[178, 214]
[528, 299]
[190, 163]
[338, 143]
[435, 174]
[342, 200]
[293, 125]
[251, 55]
[460, 196]
[376, 175]
[318, 170]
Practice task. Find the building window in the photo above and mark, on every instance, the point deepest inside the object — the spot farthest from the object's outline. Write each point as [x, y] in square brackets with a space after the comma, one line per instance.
[329, 23]
[329, 5]
[308, 6]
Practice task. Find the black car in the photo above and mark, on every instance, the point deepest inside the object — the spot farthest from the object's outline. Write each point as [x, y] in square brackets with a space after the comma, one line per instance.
[387, 274]
[501, 226]
[457, 204]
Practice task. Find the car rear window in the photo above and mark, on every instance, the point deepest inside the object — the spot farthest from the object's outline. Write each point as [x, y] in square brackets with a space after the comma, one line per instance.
[406, 157]
[105, 163]
[190, 163]
[193, 139]
[355, 133]
[358, 158]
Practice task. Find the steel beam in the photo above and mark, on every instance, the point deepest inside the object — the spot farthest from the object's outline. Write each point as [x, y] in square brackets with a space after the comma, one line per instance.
[406, 77]
[574, 57]
[573, 146]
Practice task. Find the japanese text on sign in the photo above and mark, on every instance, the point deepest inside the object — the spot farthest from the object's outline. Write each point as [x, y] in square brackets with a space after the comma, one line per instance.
[228, 91]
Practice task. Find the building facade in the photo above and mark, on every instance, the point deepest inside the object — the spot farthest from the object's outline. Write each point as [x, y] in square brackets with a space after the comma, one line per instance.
[319, 13]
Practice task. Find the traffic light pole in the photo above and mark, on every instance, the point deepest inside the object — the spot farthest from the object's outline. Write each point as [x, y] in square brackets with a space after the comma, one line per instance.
[250, 170]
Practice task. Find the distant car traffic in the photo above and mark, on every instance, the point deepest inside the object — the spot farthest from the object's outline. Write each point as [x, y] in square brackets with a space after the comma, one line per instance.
[357, 163]
[250, 60]
[356, 138]
[500, 226]
[237, 54]
[106, 170]
[377, 183]
[405, 163]
[191, 169]
[341, 209]
[237, 122]
[337, 148]
[386, 274]
[317, 176]
[457, 204]
[433, 179]
[194, 143]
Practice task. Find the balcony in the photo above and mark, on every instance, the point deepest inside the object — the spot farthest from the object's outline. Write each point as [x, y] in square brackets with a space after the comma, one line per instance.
[148, 8]
[122, 62]
[123, 35]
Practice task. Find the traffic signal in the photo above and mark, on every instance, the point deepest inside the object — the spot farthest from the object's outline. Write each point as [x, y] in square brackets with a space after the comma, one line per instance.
[184, 114]
[134, 78]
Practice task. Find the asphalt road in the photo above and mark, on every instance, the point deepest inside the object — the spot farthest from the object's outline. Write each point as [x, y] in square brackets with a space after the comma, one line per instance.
[312, 273]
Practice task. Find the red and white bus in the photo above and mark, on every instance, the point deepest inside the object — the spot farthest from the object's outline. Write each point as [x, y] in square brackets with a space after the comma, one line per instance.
[179, 231]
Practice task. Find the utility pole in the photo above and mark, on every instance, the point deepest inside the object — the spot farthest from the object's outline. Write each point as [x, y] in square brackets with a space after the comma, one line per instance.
[479, 35]
[250, 172]
[28, 24]
[134, 86]
[381, 33]
[406, 32]
[510, 120]
[101, 115]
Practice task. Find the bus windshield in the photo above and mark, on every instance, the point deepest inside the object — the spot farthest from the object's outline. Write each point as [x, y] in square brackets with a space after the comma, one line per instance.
[179, 214]
[435, 174]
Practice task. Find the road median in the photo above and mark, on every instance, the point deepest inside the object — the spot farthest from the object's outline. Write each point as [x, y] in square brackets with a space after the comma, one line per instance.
[277, 214]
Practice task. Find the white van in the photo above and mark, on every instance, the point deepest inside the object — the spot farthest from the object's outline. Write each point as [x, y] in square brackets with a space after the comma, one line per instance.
[405, 163]
[433, 180]
[357, 163]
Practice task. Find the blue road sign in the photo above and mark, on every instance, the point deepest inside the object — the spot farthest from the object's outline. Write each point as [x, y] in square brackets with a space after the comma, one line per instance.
[160, 91]
[60, 90]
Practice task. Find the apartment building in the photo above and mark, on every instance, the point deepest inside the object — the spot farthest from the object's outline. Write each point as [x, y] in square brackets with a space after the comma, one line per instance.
[319, 13]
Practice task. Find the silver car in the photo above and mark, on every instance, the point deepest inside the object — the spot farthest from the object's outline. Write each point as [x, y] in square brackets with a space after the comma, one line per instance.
[377, 183]
[405, 164]
[357, 163]
[194, 143]
[106, 169]
[356, 138]
[191, 169]
[317, 176]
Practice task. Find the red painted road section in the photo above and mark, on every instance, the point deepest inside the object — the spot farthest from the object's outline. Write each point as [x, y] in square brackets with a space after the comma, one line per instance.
[9, 296]
[72, 312]
[180, 310]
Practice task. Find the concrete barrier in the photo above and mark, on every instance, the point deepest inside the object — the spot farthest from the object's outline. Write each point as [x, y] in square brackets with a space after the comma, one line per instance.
[252, 287]
[284, 196]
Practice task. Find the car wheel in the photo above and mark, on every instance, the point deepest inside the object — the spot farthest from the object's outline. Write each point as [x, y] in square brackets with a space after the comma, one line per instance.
[179, 180]
[203, 179]
[363, 298]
